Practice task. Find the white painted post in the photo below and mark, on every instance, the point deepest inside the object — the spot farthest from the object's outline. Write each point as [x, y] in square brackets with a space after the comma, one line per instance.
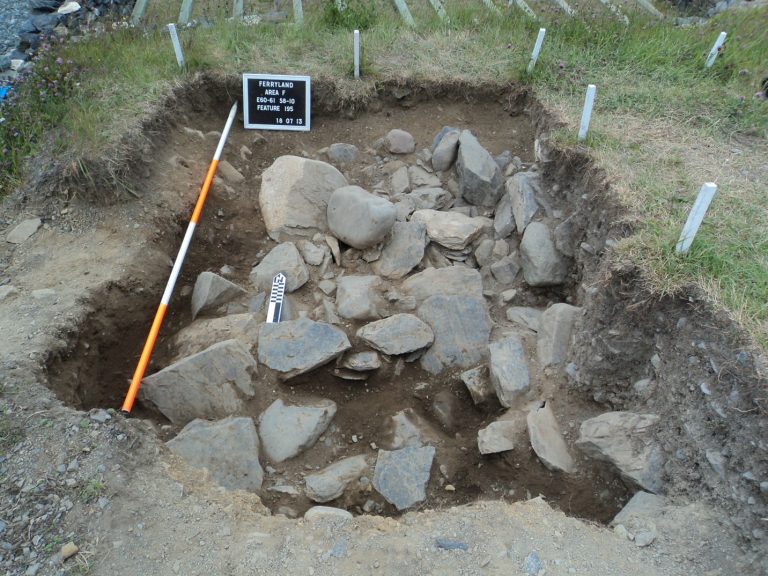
[138, 12]
[586, 115]
[715, 50]
[438, 6]
[696, 217]
[298, 12]
[237, 9]
[565, 7]
[356, 43]
[186, 12]
[525, 8]
[176, 44]
[536, 49]
[402, 7]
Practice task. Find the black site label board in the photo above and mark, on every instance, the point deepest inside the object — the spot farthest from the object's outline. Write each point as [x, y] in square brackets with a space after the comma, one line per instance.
[276, 102]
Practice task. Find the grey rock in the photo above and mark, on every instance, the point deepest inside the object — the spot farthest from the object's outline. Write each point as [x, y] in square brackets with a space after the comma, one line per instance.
[358, 218]
[228, 448]
[407, 428]
[555, 329]
[547, 440]
[401, 476]
[477, 383]
[44, 294]
[398, 334]
[484, 252]
[430, 198]
[451, 281]
[440, 135]
[641, 506]
[446, 409]
[362, 361]
[533, 564]
[286, 431]
[503, 160]
[284, 258]
[399, 142]
[7, 291]
[565, 236]
[230, 173]
[327, 287]
[403, 251]
[542, 264]
[311, 253]
[716, 460]
[444, 153]
[330, 482]
[461, 325]
[506, 269]
[294, 196]
[399, 182]
[206, 332]
[298, 346]
[508, 370]
[420, 178]
[327, 513]
[100, 415]
[504, 218]
[450, 229]
[23, 230]
[528, 317]
[522, 188]
[211, 291]
[358, 297]
[625, 439]
[203, 385]
[502, 435]
[480, 180]
[448, 544]
[340, 153]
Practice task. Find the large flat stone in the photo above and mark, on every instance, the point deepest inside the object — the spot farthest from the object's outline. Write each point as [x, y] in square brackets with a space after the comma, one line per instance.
[298, 346]
[444, 154]
[555, 328]
[205, 332]
[401, 476]
[407, 428]
[478, 384]
[358, 218]
[403, 251]
[508, 370]
[480, 179]
[284, 258]
[228, 449]
[286, 431]
[542, 263]
[398, 334]
[211, 291]
[330, 482]
[522, 188]
[547, 440]
[502, 435]
[23, 230]
[203, 385]
[450, 281]
[452, 230]
[359, 298]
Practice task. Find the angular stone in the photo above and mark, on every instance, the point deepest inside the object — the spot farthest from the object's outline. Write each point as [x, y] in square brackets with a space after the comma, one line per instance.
[431, 198]
[358, 218]
[362, 361]
[321, 513]
[528, 317]
[504, 219]
[502, 435]
[480, 180]
[203, 385]
[484, 252]
[406, 428]
[555, 329]
[401, 476]
[340, 153]
[69, 7]
[506, 269]
[284, 258]
[286, 431]
[298, 346]
[641, 506]
[228, 448]
[230, 173]
[399, 181]
[7, 291]
[399, 142]
[522, 188]
[547, 440]
[420, 178]
[23, 230]
[625, 439]
[444, 154]
[450, 229]
[403, 251]
[294, 196]
[508, 370]
[542, 264]
[479, 386]
[203, 333]
[398, 334]
[330, 482]
[451, 281]
[461, 325]
[358, 297]
[565, 236]
[311, 253]
[211, 291]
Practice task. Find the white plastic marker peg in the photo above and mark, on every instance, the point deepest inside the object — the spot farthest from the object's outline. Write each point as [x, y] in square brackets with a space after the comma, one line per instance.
[438, 6]
[149, 345]
[298, 12]
[356, 43]
[176, 44]
[696, 217]
[536, 49]
[405, 14]
[715, 50]
[586, 115]
[276, 299]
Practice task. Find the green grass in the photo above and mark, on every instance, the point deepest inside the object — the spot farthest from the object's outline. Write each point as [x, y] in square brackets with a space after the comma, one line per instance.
[662, 124]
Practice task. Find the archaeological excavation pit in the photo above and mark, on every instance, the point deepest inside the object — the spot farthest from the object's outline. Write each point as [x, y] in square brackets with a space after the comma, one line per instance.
[454, 329]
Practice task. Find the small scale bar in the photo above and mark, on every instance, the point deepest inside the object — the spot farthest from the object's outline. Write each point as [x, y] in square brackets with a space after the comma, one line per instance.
[276, 299]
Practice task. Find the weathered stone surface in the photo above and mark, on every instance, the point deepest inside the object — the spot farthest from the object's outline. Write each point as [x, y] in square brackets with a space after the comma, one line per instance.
[340, 153]
[542, 264]
[420, 178]
[294, 196]
[23, 230]
[228, 448]
[398, 334]
[528, 317]
[206, 332]
[431, 198]
[450, 229]
[625, 439]
[444, 154]
[446, 409]
[330, 482]
[283, 258]
[286, 431]
[298, 346]
[403, 251]
[407, 428]
[508, 370]
[311, 253]
[480, 180]
[522, 188]
[362, 361]
[358, 297]
[211, 291]
[505, 270]
[7, 291]
[504, 218]
[547, 440]
[565, 236]
[641, 506]
[450, 281]
[327, 513]
[230, 173]
[555, 329]
[477, 382]
[502, 435]
[399, 182]
[399, 142]
[440, 135]
[358, 218]
[461, 325]
[203, 385]
[401, 476]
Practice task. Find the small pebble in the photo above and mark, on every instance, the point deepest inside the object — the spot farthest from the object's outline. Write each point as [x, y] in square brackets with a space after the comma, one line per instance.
[68, 550]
